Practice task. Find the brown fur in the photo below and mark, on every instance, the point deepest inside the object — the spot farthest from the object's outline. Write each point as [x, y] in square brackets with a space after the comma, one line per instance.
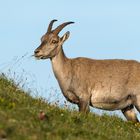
[104, 84]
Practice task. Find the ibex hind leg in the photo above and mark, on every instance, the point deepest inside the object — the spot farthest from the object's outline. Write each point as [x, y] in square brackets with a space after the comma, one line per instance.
[130, 113]
[137, 103]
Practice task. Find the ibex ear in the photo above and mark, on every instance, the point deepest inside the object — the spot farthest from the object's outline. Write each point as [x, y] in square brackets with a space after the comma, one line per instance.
[65, 37]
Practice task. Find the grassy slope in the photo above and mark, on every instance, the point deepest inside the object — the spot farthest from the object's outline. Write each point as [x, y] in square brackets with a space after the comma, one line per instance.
[19, 120]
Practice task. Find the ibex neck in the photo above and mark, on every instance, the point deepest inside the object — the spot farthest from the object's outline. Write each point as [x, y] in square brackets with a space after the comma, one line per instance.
[60, 57]
[62, 70]
[59, 61]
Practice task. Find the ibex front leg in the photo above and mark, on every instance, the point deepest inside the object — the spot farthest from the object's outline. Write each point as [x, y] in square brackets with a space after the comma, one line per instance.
[84, 106]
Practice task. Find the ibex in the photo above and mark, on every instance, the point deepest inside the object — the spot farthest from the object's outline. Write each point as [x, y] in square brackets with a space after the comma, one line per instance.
[104, 84]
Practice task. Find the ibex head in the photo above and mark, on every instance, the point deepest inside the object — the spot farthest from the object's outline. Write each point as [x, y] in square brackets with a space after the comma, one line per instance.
[50, 42]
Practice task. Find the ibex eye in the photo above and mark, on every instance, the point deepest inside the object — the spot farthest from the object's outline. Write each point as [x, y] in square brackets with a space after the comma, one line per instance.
[54, 41]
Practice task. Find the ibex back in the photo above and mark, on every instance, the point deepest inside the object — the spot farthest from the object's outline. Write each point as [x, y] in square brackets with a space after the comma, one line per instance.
[104, 84]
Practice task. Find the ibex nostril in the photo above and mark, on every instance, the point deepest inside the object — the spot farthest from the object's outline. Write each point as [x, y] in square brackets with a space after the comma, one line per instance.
[36, 51]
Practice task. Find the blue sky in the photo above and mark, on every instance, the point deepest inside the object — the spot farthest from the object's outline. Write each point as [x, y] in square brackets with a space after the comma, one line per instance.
[102, 30]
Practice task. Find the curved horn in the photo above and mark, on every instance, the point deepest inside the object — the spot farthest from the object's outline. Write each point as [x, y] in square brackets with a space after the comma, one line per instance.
[50, 26]
[60, 27]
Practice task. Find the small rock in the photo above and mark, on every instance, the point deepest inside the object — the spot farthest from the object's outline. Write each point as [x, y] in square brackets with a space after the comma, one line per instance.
[2, 135]
[42, 115]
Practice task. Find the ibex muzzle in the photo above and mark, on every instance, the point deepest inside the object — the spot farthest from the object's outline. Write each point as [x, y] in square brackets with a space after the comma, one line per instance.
[104, 84]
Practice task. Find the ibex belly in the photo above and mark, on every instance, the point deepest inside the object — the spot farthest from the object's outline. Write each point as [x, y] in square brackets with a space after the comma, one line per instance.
[110, 101]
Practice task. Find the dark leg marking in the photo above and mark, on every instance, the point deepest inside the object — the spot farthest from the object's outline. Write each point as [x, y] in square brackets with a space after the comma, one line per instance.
[130, 114]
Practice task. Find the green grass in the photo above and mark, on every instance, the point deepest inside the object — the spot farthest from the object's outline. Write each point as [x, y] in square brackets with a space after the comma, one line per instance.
[19, 120]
